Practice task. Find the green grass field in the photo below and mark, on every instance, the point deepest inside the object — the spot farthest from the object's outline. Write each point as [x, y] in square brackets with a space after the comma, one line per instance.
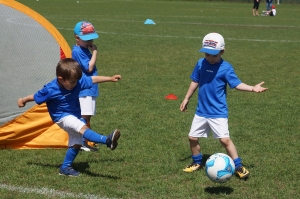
[155, 60]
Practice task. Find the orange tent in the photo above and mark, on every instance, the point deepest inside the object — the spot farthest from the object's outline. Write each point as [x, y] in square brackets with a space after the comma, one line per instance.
[34, 128]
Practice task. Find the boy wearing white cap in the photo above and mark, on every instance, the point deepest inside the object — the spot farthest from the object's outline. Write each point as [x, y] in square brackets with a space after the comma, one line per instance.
[211, 76]
[85, 53]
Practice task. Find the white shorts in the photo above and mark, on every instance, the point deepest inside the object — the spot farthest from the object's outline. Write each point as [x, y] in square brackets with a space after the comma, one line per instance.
[72, 126]
[87, 105]
[201, 127]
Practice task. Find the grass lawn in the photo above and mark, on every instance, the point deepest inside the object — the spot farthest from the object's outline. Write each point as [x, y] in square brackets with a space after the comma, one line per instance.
[154, 61]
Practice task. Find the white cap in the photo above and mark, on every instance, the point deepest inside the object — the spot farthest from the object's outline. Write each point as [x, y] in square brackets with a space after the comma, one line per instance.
[212, 43]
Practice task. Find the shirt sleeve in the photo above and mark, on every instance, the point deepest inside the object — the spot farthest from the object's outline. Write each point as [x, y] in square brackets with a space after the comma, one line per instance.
[81, 58]
[42, 96]
[233, 80]
[86, 82]
[195, 74]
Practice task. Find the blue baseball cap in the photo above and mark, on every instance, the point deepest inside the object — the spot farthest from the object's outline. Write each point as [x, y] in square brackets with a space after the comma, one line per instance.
[212, 44]
[85, 31]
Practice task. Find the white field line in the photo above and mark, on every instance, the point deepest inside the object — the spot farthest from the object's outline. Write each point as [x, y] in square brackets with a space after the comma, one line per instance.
[49, 192]
[15, 21]
[98, 18]
[172, 36]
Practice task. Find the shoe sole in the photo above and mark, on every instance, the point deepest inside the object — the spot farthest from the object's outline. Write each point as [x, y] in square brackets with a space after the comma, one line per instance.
[87, 149]
[188, 171]
[61, 174]
[245, 176]
[114, 139]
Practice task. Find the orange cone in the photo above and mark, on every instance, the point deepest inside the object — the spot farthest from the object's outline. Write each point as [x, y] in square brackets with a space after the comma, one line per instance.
[171, 97]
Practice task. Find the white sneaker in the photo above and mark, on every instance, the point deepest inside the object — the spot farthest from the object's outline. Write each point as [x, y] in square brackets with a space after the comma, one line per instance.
[86, 147]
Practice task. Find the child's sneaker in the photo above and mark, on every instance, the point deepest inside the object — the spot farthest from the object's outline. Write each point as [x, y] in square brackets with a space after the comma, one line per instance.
[112, 139]
[192, 167]
[68, 171]
[86, 147]
[242, 172]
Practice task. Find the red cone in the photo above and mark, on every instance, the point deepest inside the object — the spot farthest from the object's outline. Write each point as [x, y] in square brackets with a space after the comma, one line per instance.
[171, 97]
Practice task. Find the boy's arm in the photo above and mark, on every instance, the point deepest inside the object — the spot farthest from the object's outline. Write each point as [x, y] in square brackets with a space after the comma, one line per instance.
[22, 101]
[190, 92]
[92, 62]
[257, 88]
[100, 79]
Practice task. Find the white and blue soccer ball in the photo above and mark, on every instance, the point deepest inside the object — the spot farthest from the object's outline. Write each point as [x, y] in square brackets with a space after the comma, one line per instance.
[219, 167]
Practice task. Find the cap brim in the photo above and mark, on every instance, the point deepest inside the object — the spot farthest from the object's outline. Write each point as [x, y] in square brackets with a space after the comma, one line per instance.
[88, 36]
[209, 51]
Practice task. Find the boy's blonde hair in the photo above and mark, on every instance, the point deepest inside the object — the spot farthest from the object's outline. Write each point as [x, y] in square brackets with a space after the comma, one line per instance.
[68, 68]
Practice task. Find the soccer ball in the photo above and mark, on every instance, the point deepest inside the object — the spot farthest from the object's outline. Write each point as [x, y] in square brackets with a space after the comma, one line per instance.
[219, 167]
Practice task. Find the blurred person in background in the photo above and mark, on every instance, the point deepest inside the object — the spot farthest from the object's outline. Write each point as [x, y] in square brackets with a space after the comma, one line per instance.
[269, 5]
[255, 8]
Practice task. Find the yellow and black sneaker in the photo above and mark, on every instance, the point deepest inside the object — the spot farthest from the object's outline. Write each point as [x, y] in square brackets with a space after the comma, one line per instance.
[192, 167]
[242, 172]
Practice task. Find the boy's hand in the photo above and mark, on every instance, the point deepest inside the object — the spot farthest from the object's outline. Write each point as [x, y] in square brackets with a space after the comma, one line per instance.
[183, 105]
[21, 102]
[258, 88]
[92, 47]
[116, 78]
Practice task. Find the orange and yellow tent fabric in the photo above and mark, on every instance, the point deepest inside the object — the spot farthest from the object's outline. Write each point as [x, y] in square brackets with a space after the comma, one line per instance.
[34, 128]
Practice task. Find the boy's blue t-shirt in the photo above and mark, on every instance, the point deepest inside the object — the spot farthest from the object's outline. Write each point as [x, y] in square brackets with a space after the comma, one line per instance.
[83, 57]
[212, 80]
[61, 102]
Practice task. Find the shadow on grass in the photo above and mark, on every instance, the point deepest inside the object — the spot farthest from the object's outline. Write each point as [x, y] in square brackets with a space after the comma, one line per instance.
[107, 160]
[83, 166]
[219, 190]
[204, 158]
[80, 167]
[185, 158]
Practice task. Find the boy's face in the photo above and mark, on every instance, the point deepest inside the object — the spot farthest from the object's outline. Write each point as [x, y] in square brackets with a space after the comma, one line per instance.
[68, 84]
[84, 44]
[213, 59]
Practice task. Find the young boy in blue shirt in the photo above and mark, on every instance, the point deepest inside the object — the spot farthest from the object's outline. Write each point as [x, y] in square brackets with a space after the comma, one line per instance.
[85, 53]
[211, 76]
[61, 97]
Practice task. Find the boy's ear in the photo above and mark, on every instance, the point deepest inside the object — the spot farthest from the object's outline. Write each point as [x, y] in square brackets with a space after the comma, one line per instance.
[60, 78]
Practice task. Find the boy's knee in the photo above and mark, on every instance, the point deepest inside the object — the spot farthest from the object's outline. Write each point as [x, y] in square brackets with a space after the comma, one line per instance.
[191, 139]
[225, 141]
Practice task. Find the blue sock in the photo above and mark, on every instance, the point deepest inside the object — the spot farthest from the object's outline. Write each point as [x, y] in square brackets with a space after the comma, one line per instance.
[197, 158]
[70, 157]
[237, 162]
[94, 137]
